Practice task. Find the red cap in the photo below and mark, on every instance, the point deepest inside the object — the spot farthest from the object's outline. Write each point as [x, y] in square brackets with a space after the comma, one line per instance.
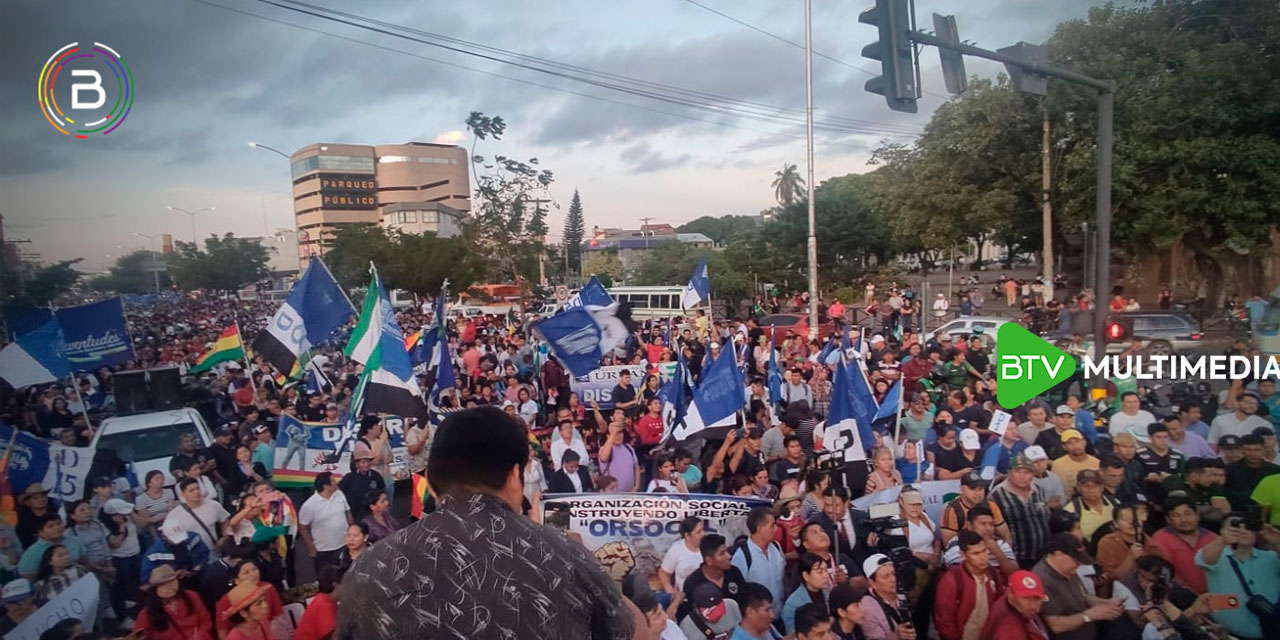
[1025, 584]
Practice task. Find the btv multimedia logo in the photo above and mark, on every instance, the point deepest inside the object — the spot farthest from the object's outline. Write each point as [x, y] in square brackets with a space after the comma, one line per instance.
[1027, 365]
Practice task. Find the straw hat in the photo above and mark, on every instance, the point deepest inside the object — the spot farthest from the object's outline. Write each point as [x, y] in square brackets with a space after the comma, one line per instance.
[162, 574]
[243, 595]
[35, 488]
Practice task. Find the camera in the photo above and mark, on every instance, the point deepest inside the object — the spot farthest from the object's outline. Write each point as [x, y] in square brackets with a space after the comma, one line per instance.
[883, 519]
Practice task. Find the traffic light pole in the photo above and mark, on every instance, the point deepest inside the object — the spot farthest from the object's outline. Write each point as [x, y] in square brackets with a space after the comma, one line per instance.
[1106, 140]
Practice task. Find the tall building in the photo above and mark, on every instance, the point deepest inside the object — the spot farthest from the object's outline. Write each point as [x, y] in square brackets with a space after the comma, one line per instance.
[336, 185]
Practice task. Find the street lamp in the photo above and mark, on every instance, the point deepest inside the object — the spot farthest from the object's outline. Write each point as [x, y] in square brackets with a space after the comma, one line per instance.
[155, 269]
[274, 150]
[193, 215]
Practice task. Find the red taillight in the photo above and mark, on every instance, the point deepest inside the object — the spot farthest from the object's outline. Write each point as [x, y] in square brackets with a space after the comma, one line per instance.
[1195, 336]
[1115, 331]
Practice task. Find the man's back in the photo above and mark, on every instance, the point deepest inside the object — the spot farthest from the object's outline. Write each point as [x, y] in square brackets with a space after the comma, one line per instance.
[476, 569]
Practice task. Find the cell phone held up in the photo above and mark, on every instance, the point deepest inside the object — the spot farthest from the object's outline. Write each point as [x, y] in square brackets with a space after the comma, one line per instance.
[1221, 602]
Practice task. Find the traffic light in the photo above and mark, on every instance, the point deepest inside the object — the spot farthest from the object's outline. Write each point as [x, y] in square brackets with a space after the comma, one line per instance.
[897, 82]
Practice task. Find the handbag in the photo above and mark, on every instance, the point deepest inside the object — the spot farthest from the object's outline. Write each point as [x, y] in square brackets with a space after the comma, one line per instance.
[1258, 605]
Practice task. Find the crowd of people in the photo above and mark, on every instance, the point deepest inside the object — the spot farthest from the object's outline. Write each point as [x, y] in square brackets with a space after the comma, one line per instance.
[1066, 524]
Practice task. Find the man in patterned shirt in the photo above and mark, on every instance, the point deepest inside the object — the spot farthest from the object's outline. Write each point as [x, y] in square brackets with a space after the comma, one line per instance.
[475, 567]
[1024, 510]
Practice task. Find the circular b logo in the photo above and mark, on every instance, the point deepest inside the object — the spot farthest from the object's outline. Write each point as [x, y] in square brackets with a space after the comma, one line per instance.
[91, 102]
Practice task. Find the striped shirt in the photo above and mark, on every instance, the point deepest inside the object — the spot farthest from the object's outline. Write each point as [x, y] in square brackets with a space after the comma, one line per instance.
[153, 507]
[1028, 522]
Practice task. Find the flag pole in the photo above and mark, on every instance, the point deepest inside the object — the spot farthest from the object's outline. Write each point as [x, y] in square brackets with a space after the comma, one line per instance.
[244, 353]
[897, 419]
[84, 410]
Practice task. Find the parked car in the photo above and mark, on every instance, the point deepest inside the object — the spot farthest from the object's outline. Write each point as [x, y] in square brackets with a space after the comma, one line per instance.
[964, 325]
[149, 440]
[1163, 333]
[780, 326]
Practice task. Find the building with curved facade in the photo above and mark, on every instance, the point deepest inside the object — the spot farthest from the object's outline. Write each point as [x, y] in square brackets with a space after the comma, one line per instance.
[336, 185]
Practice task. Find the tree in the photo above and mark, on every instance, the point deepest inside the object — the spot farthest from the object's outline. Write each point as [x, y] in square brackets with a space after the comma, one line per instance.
[227, 264]
[574, 228]
[509, 206]
[49, 282]
[972, 176]
[671, 263]
[1197, 121]
[417, 263]
[605, 264]
[132, 273]
[721, 229]
[787, 185]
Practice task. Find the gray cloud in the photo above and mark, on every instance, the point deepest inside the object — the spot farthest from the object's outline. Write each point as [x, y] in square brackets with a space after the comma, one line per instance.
[643, 158]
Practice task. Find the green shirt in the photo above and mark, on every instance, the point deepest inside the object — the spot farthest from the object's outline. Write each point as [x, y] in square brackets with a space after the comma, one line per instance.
[1267, 494]
[914, 429]
[956, 374]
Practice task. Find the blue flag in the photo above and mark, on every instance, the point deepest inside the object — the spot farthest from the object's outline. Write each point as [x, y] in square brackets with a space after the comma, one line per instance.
[593, 295]
[891, 403]
[722, 392]
[674, 400]
[574, 337]
[36, 357]
[848, 430]
[314, 310]
[699, 287]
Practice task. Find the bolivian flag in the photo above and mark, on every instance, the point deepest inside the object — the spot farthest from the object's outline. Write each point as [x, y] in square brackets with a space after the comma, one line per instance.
[227, 348]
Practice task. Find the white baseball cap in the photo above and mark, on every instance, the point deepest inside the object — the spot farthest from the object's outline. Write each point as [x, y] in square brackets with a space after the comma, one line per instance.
[16, 591]
[1035, 453]
[873, 563]
[174, 532]
[117, 507]
[969, 439]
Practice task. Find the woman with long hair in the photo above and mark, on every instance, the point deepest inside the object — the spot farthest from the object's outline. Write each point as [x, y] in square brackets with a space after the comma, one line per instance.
[380, 522]
[244, 472]
[683, 557]
[814, 483]
[170, 613]
[356, 543]
[247, 576]
[56, 573]
[652, 384]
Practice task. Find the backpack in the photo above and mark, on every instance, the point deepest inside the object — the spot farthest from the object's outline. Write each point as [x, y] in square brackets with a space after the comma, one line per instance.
[740, 544]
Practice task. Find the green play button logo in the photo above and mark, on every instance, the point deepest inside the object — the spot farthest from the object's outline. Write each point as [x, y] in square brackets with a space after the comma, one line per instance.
[1027, 365]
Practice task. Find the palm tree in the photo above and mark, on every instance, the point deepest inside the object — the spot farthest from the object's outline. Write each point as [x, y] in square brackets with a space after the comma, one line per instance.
[787, 184]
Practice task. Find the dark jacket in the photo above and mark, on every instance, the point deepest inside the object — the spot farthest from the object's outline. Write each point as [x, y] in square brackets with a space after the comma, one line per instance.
[559, 481]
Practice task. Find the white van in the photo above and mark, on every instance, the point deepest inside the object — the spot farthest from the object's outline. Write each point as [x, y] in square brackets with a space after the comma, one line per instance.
[149, 440]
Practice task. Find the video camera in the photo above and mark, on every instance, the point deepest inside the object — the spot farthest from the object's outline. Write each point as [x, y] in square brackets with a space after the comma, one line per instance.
[883, 519]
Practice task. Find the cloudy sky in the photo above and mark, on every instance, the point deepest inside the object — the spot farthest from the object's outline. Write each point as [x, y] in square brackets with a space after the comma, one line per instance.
[213, 74]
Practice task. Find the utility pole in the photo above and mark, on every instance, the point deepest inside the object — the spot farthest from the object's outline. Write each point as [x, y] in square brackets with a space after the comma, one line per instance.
[1046, 191]
[644, 231]
[808, 126]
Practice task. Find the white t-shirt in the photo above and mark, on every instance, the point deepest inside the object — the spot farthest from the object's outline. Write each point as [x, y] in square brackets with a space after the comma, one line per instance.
[327, 519]
[209, 512]
[1122, 422]
[681, 562]
[1227, 425]
[558, 447]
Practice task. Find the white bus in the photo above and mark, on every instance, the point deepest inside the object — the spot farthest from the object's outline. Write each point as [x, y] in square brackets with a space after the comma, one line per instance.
[655, 302]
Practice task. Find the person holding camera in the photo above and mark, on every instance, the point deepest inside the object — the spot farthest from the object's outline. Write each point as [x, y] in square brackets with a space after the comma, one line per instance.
[1234, 565]
[886, 613]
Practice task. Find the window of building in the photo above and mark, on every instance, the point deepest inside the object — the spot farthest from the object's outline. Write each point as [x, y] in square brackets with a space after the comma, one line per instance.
[406, 216]
[391, 159]
[334, 163]
[430, 216]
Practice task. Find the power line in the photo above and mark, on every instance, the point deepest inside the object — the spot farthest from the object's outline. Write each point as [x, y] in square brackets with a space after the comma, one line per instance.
[592, 72]
[629, 86]
[506, 77]
[795, 44]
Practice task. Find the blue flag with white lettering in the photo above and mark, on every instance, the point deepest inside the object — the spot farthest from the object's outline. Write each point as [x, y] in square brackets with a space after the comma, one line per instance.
[574, 337]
